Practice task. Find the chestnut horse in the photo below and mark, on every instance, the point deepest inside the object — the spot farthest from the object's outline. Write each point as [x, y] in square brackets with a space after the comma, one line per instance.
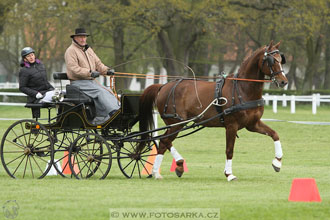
[241, 103]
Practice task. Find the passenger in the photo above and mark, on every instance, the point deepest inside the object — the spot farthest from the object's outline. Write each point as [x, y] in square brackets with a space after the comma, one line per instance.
[33, 78]
[83, 66]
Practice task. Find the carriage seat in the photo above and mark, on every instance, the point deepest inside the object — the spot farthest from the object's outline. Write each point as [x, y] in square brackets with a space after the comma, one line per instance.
[76, 96]
[73, 94]
[35, 108]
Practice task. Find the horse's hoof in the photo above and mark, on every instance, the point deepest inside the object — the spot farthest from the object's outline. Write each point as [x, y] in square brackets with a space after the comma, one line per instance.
[277, 165]
[178, 172]
[231, 177]
[179, 169]
[157, 176]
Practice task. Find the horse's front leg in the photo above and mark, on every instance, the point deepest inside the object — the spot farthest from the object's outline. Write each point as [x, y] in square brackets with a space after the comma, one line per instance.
[230, 142]
[262, 128]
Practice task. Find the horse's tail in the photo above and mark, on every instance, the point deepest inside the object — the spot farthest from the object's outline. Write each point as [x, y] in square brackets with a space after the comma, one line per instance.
[146, 104]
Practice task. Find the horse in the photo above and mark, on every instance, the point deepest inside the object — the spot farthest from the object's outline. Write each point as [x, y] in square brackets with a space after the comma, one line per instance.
[239, 105]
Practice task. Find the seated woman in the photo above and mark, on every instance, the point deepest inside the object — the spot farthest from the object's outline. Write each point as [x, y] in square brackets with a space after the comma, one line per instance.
[33, 78]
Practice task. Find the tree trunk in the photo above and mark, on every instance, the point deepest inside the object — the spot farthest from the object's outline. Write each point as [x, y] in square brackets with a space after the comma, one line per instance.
[326, 84]
[118, 42]
[292, 78]
[167, 51]
[313, 56]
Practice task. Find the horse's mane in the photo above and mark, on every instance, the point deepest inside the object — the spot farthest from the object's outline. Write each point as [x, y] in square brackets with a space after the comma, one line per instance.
[248, 57]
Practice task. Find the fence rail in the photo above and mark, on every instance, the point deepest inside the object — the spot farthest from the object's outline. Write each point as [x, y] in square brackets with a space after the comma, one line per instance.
[315, 100]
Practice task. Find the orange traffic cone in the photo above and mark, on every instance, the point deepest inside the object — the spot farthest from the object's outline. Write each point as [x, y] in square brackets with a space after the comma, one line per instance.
[147, 170]
[65, 165]
[304, 190]
[185, 168]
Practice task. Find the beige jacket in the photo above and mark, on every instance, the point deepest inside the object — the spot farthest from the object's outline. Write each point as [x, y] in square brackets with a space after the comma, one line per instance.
[80, 63]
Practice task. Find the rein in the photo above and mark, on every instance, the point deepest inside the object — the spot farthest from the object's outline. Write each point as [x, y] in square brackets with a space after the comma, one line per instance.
[249, 80]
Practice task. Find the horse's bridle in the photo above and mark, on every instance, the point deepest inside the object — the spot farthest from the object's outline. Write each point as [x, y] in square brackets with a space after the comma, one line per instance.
[268, 56]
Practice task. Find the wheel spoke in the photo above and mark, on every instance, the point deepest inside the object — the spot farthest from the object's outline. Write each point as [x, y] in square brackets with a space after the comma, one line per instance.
[40, 158]
[25, 166]
[133, 169]
[14, 159]
[18, 137]
[86, 165]
[144, 168]
[16, 144]
[137, 162]
[31, 167]
[37, 164]
[19, 164]
[101, 161]
[127, 150]
[146, 161]
[76, 157]
[40, 143]
[127, 165]
[23, 134]
[147, 155]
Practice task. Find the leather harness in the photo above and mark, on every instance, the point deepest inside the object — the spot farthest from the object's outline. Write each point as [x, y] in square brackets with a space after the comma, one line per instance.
[217, 95]
[234, 108]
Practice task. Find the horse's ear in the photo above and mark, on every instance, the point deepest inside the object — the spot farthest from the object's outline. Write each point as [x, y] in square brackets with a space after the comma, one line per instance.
[270, 44]
[277, 45]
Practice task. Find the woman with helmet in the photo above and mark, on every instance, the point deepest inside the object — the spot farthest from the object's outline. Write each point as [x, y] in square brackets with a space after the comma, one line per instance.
[33, 78]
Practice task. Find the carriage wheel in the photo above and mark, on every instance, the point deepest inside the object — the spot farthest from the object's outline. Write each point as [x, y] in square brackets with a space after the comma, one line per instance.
[27, 150]
[63, 141]
[134, 162]
[90, 157]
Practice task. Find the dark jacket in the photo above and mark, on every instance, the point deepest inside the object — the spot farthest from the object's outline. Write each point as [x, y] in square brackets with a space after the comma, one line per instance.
[33, 79]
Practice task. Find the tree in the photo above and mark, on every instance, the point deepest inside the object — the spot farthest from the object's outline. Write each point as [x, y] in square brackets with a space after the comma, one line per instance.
[178, 25]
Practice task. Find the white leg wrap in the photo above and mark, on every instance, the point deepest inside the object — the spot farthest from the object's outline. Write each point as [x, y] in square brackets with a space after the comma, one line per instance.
[278, 149]
[155, 168]
[228, 170]
[176, 154]
[228, 167]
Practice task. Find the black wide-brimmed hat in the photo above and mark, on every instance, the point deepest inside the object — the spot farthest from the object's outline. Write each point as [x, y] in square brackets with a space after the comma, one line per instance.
[80, 32]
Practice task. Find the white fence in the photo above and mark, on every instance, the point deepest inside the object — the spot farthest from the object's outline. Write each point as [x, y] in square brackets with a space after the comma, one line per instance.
[315, 100]
[6, 94]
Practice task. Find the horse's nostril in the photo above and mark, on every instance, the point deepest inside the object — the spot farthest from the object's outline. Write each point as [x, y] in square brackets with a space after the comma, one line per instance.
[284, 83]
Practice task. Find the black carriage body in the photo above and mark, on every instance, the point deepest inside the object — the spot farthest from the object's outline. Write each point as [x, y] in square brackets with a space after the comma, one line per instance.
[77, 113]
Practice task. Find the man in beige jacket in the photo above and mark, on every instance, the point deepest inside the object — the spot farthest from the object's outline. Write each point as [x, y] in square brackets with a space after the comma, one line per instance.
[83, 66]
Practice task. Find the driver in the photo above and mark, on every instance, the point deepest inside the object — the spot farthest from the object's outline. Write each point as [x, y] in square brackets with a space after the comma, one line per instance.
[83, 66]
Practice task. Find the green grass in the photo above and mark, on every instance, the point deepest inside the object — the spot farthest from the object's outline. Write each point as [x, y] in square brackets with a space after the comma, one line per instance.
[259, 193]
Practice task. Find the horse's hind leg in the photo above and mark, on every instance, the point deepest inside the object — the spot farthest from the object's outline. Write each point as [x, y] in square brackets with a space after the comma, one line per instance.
[262, 128]
[166, 144]
[230, 142]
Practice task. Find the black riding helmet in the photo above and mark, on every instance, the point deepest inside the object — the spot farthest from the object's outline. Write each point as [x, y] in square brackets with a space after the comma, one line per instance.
[26, 51]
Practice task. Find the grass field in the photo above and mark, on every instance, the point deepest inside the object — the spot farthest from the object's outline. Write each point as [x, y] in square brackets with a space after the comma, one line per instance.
[259, 193]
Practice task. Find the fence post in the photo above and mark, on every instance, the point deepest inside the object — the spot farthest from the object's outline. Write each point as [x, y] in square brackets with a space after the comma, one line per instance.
[293, 104]
[266, 96]
[314, 104]
[318, 99]
[284, 103]
[275, 104]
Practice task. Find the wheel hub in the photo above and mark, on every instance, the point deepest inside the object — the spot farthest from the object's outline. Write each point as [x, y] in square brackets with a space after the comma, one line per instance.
[90, 158]
[27, 151]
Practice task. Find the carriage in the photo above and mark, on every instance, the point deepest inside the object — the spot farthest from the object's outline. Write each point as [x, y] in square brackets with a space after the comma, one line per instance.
[69, 143]
[70, 140]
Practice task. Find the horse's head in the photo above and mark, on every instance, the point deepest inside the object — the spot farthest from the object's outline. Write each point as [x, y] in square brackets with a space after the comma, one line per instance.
[271, 64]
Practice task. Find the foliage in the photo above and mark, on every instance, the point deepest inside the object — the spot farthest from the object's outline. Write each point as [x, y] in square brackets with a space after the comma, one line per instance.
[199, 33]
